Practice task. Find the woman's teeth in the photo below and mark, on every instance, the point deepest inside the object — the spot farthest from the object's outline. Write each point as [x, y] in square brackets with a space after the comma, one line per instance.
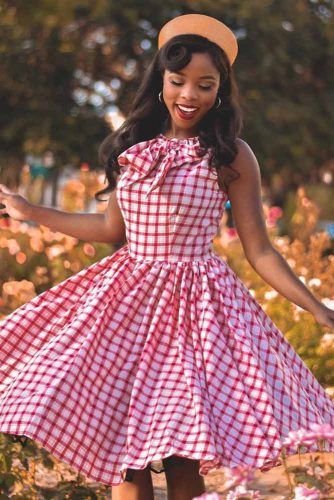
[186, 113]
[186, 110]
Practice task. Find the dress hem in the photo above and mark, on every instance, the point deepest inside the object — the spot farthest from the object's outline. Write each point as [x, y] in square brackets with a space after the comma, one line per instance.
[216, 462]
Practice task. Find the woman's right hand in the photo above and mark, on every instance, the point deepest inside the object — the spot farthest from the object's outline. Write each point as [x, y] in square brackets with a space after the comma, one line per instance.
[16, 206]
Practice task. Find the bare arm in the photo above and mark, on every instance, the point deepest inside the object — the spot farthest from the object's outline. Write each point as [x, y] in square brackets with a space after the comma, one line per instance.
[247, 211]
[87, 227]
[108, 227]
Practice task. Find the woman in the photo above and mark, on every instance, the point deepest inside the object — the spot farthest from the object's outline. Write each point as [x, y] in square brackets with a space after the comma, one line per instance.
[159, 351]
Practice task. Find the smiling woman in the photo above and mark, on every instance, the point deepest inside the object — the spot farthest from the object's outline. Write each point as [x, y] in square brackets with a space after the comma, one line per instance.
[189, 72]
[187, 98]
[159, 351]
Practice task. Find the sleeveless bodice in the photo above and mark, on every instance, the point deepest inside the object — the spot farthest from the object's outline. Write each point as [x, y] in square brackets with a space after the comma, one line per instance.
[170, 199]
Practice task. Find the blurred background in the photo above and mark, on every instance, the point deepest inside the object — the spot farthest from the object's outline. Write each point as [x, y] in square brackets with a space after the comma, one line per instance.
[68, 72]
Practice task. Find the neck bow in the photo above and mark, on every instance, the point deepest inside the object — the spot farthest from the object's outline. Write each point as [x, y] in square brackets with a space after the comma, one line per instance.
[162, 154]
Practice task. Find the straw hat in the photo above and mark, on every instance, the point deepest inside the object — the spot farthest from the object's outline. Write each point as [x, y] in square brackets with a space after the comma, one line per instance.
[206, 26]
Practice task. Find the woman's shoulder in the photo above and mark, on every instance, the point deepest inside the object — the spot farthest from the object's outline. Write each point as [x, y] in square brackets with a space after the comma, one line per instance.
[245, 157]
[242, 145]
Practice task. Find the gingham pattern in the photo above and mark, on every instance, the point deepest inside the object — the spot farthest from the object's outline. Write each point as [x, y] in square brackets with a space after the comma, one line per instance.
[170, 199]
[158, 349]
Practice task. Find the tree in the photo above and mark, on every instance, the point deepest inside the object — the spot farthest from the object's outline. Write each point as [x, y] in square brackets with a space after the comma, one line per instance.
[63, 65]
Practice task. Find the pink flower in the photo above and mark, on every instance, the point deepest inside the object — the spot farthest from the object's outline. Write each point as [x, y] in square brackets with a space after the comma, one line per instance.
[238, 475]
[89, 249]
[309, 436]
[232, 232]
[316, 472]
[299, 437]
[304, 493]
[208, 496]
[322, 431]
[275, 212]
[241, 491]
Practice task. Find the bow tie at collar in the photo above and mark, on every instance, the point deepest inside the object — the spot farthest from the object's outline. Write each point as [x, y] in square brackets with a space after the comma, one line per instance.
[160, 153]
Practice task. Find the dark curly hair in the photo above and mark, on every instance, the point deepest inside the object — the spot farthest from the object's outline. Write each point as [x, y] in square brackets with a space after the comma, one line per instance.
[148, 117]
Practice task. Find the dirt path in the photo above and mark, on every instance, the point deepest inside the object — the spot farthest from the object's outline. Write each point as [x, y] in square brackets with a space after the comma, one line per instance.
[273, 484]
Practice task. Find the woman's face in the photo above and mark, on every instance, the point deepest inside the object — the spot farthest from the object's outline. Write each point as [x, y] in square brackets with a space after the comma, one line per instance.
[190, 93]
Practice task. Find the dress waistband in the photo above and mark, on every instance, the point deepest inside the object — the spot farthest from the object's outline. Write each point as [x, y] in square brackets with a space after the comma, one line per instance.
[176, 259]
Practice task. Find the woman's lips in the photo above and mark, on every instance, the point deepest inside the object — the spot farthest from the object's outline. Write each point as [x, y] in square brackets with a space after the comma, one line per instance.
[185, 115]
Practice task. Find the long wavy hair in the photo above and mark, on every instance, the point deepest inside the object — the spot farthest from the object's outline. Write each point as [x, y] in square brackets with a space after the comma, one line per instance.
[148, 117]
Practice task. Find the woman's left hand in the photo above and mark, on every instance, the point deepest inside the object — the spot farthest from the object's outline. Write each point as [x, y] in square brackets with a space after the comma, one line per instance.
[324, 315]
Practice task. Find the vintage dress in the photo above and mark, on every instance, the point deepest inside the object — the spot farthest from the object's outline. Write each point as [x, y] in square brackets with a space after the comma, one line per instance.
[158, 349]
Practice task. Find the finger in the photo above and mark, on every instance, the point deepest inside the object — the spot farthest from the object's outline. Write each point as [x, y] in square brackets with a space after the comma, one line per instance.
[5, 196]
[5, 189]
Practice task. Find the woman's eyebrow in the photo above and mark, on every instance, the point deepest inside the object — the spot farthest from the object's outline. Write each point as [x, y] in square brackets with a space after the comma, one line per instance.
[207, 77]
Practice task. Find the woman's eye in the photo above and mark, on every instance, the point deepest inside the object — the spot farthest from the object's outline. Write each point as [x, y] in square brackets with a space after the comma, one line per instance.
[180, 83]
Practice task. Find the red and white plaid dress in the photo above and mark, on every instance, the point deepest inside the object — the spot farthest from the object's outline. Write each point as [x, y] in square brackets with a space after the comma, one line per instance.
[158, 349]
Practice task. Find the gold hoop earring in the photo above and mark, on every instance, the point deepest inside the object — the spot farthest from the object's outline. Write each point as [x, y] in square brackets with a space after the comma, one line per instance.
[160, 97]
[219, 99]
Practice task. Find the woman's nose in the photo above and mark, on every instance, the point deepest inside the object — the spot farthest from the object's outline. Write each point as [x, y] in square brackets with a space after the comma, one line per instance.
[189, 93]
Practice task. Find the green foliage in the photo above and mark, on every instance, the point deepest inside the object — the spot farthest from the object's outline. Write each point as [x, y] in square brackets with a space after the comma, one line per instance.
[41, 258]
[17, 474]
[315, 267]
[37, 81]
[52, 50]
[321, 194]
